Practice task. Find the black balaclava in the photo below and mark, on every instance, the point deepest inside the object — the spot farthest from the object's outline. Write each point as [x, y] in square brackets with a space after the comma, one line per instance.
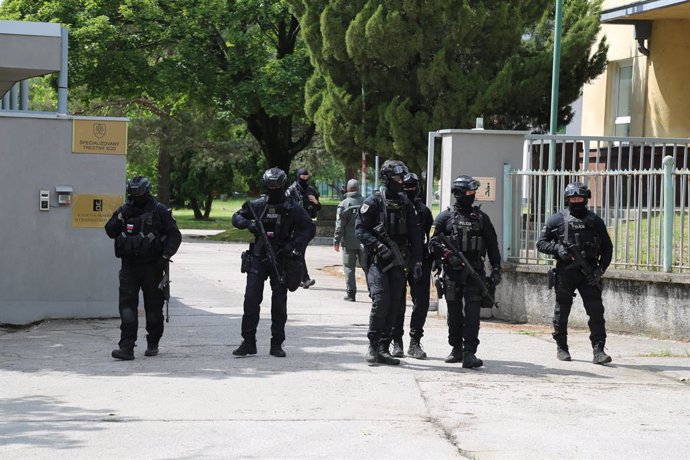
[578, 210]
[302, 172]
[394, 187]
[275, 195]
[140, 201]
[411, 194]
[464, 201]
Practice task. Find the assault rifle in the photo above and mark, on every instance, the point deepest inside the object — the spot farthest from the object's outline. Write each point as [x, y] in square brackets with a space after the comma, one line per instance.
[398, 259]
[164, 286]
[467, 265]
[579, 260]
[264, 240]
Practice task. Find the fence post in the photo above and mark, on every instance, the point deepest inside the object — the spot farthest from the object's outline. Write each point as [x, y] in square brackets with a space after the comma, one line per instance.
[507, 208]
[669, 211]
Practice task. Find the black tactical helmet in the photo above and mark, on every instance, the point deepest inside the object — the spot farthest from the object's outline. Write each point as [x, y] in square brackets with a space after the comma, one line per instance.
[577, 189]
[138, 186]
[275, 178]
[463, 184]
[392, 168]
[410, 181]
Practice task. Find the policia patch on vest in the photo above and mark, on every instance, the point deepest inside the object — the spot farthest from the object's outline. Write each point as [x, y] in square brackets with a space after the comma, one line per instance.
[364, 208]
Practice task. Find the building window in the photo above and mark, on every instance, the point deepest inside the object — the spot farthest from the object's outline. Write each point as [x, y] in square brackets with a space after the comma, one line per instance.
[623, 99]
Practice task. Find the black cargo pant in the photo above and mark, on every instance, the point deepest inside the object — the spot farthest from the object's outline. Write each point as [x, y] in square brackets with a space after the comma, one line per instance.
[386, 290]
[146, 277]
[419, 290]
[257, 275]
[464, 304]
[567, 281]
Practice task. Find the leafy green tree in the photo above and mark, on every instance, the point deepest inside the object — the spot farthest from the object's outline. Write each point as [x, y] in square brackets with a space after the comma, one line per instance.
[387, 72]
[242, 58]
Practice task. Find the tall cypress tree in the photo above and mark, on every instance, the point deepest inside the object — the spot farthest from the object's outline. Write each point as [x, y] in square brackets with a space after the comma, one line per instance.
[389, 71]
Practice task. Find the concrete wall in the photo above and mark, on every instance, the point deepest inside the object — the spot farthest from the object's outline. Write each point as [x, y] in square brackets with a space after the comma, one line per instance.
[653, 304]
[479, 153]
[48, 268]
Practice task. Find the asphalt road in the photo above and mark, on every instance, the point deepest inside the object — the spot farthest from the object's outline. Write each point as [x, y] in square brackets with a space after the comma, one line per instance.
[62, 395]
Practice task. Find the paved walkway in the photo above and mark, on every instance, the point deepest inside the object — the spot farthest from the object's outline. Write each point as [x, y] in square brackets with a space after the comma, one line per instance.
[62, 395]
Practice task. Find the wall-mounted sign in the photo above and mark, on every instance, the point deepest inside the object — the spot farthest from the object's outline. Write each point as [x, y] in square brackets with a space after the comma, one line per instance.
[99, 137]
[487, 189]
[93, 211]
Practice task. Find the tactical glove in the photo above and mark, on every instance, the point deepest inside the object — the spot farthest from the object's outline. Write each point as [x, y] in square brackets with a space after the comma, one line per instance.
[455, 262]
[126, 211]
[253, 228]
[563, 253]
[496, 276]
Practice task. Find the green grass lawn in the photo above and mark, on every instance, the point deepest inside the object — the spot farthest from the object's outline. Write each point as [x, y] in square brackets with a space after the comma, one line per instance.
[649, 232]
[221, 216]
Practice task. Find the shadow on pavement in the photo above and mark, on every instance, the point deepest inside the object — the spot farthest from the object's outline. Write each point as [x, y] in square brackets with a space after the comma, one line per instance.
[44, 422]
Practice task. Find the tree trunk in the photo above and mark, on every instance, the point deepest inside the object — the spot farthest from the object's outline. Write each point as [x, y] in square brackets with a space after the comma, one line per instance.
[197, 211]
[274, 135]
[164, 162]
[207, 206]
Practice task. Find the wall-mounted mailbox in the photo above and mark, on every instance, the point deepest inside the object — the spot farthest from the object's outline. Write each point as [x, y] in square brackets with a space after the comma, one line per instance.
[64, 194]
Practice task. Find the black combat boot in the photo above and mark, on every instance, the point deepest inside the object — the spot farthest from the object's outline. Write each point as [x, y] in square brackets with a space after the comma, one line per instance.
[398, 349]
[383, 356]
[562, 352]
[455, 355]
[370, 357]
[245, 348]
[277, 349]
[600, 356]
[125, 354]
[306, 284]
[350, 297]
[415, 349]
[470, 361]
[151, 347]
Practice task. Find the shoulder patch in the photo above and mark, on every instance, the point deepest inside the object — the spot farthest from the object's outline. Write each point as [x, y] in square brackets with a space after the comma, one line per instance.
[364, 208]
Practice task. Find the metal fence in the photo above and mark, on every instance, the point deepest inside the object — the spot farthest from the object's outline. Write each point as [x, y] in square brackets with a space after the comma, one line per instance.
[639, 188]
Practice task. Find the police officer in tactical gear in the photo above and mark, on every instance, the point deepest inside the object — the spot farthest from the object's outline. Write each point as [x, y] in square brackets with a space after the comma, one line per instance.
[579, 241]
[419, 288]
[288, 228]
[307, 197]
[391, 248]
[472, 233]
[345, 237]
[146, 237]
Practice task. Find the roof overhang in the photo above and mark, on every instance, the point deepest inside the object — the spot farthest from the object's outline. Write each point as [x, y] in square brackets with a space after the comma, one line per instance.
[649, 10]
[28, 49]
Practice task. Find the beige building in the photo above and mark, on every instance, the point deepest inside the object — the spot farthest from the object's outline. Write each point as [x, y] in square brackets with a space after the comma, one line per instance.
[644, 91]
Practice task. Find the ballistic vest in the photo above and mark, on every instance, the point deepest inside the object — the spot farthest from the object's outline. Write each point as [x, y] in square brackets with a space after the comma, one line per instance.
[140, 237]
[582, 233]
[392, 214]
[276, 218]
[466, 229]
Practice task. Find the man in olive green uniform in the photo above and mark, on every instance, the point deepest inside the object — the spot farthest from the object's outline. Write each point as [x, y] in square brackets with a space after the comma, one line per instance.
[345, 236]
